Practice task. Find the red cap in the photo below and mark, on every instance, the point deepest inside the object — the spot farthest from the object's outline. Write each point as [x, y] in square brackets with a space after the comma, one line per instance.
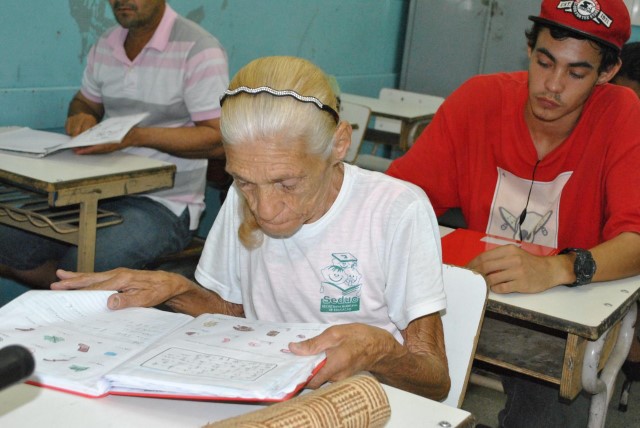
[606, 21]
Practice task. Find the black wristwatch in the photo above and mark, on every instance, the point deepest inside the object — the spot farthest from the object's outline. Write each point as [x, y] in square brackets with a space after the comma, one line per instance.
[584, 266]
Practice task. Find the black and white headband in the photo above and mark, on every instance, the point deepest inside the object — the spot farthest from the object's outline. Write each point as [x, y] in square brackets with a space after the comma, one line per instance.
[277, 93]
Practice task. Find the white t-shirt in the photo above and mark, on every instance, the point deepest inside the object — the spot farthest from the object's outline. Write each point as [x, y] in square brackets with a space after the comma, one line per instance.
[373, 258]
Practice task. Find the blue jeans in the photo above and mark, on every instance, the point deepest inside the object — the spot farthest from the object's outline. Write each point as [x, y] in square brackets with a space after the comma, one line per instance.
[148, 231]
[535, 405]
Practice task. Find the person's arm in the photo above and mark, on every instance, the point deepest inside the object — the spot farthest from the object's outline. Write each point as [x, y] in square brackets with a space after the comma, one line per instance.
[419, 366]
[201, 141]
[510, 269]
[149, 288]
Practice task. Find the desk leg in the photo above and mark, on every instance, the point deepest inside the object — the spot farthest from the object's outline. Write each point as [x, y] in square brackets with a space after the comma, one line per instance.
[87, 233]
[403, 141]
[602, 387]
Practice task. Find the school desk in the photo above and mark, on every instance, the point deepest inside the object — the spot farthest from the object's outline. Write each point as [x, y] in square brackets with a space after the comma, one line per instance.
[24, 405]
[574, 337]
[410, 115]
[29, 187]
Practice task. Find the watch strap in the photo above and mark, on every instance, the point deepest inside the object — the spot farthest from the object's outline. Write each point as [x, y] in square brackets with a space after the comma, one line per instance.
[584, 266]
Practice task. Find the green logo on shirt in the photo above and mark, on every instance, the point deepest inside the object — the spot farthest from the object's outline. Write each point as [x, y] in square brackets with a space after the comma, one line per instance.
[342, 284]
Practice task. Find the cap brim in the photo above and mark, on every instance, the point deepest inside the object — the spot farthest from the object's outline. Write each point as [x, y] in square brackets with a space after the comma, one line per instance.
[565, 27]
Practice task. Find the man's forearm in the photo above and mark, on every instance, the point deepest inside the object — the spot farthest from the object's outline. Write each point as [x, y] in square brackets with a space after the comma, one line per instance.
[615, 259]
[195, 142]
[618, 257]
[77, 106]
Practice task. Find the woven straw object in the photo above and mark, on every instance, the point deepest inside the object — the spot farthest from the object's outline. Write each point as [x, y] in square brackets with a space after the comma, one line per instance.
[356, 402]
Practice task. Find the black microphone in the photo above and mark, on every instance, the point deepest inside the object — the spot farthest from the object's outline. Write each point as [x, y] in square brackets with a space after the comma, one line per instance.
[16, 364]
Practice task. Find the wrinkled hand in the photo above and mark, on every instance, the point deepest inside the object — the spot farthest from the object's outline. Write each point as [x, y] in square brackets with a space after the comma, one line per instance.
[350, 349]
[135, 287]
[509, 269]
[78, 123]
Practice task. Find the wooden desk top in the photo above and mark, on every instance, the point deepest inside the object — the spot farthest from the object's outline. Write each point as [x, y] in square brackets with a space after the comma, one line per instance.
[26, 406]
[587, 311]
[65, 169]
[394, 109]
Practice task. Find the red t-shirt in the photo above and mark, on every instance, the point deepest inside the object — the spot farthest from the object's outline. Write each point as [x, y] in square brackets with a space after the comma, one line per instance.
[477, 154]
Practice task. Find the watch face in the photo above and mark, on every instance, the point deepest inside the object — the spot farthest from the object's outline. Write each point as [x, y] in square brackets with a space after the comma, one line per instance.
[585, 267]
[589, 268]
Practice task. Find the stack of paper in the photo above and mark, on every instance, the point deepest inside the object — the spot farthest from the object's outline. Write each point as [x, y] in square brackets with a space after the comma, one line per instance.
[30, 142]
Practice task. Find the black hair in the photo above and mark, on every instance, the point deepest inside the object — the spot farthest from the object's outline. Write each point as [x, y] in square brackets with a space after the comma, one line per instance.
[608, 54]
[630, 56]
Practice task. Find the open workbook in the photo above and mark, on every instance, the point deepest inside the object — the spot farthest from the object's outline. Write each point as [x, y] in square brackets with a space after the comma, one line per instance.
[81, 346]
[35, 143]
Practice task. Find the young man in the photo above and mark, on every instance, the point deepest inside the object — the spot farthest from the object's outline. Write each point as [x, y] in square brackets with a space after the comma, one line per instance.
[158, 62]
[558, 132]
[549, 156]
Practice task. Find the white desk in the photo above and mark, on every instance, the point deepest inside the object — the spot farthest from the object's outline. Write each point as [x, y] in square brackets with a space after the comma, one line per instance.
[595, 326]
[29, 406]
[66, 179]
[410, 115]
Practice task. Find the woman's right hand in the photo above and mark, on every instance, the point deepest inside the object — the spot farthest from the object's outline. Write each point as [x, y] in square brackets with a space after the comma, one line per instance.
[135, 287]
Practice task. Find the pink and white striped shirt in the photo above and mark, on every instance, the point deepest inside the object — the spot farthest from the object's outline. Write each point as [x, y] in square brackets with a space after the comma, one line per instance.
[178, 79]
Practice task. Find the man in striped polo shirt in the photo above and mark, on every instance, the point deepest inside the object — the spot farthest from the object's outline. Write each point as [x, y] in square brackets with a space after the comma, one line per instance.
[157, 62]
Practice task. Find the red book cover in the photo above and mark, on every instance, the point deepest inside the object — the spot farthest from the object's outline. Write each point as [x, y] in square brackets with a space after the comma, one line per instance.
[463, 245]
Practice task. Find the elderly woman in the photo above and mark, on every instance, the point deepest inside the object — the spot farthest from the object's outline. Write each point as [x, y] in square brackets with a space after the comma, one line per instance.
[304, 237]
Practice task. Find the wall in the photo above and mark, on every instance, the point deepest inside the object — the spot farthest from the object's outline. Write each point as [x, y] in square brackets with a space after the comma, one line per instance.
[45, 43]
[481, 37]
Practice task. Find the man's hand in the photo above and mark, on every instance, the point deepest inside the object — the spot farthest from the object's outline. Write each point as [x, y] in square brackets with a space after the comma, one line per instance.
[79, 123]
[350, 349]
[98, 149]
[82, 114]
[509, 269]
[135, 288]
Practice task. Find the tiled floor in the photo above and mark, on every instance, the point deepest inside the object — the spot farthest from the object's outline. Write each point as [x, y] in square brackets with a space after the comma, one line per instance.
[485, 403]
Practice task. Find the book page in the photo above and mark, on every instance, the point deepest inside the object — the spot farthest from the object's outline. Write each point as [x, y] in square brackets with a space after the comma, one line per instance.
[223, 357]
[75, 339]
[111, 130]
[31, 141]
